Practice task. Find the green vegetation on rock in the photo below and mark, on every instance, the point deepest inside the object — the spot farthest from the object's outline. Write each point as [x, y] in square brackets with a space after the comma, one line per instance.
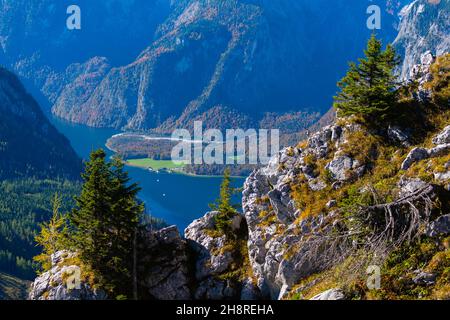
[101, 228]
[227, 211]
[413, 265]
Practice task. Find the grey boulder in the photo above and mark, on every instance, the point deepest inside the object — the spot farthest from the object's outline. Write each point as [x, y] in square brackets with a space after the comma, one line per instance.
[443, 137]
[332, 294]
[439, 227]
[415, 155]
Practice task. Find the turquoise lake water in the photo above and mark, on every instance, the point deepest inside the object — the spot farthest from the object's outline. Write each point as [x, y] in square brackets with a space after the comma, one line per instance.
[178, 199]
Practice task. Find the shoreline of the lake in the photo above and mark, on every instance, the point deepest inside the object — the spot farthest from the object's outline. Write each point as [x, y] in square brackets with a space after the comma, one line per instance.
[166, 170]
[151, 137]
[176, 198]
[180, 172]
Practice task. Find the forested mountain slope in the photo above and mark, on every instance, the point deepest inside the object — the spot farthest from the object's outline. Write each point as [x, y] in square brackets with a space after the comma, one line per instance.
[36, 161]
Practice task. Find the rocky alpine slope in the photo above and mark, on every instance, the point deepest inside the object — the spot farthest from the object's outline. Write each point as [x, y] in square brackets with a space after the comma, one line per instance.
[303, 209]
[424, 26]
[348, 197]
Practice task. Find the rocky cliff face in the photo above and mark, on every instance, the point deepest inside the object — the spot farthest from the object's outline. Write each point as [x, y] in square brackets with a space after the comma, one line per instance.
[163, 272]
[424, 26]
[283, 239]
[170, 267]
[298, 207]
[271, 212]
[62, 282]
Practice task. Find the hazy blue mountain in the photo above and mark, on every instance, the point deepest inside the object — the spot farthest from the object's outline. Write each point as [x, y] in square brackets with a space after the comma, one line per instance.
[160, 64]
[118, 29]
[36, 44]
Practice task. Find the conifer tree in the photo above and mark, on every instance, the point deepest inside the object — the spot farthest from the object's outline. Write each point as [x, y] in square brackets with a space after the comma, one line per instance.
[52, 236]
[124, 220]
[105, 220]
[369, 88]
[93, 207]
[223, 205]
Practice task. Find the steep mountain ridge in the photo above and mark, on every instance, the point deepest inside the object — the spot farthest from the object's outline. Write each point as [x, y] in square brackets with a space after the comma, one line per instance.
[424, 26]
[36, 44]
[12, 288]
[29, 145]
[34, 34]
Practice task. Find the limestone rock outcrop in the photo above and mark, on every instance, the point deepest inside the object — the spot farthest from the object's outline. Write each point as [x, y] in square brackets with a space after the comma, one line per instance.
[271, 211]
[442, 148]
[217, 256]
[332, 294]
[163, 265]
[63, 282]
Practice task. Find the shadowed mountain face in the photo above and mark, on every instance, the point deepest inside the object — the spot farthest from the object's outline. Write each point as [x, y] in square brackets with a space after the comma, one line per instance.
[229, 63]
[36, 44]
[29, 145]
[35, 32]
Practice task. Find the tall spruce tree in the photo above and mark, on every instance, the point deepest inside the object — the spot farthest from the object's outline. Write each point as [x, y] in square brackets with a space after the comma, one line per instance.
[369, 88]
[223, 204]
[105, 220]
[89, 217]
[124, 221]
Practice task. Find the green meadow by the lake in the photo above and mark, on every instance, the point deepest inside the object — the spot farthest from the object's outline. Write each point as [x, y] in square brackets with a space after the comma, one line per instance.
[155, 164]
